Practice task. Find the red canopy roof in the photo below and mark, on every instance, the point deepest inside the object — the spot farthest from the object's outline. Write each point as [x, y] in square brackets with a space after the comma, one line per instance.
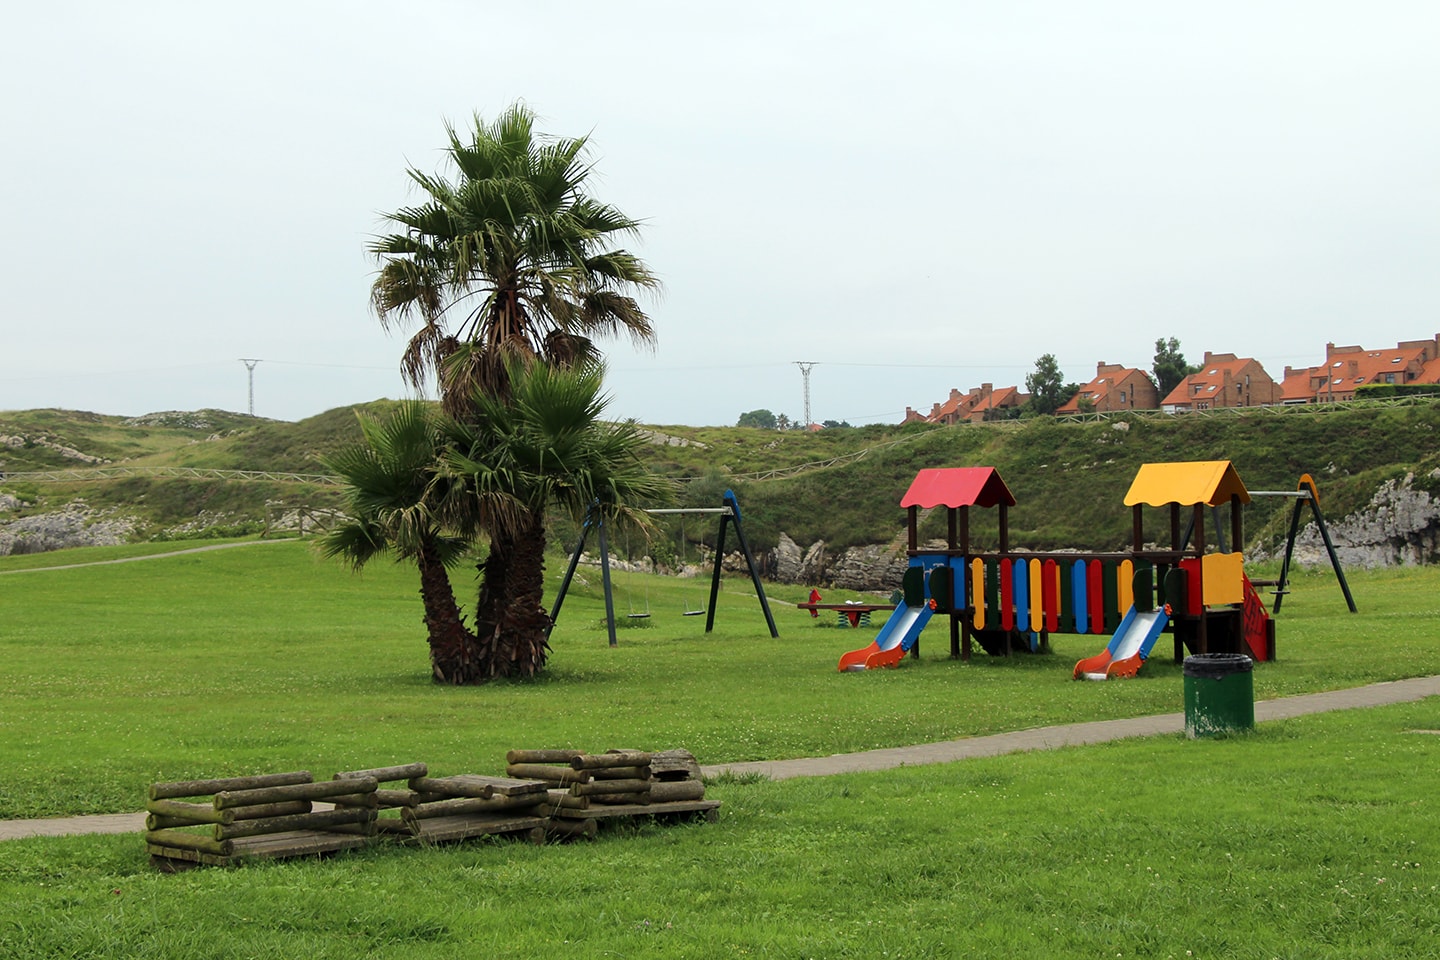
[957, 487]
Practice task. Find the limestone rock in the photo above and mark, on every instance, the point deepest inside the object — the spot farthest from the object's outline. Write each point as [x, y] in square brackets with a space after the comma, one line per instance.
[1400, 526]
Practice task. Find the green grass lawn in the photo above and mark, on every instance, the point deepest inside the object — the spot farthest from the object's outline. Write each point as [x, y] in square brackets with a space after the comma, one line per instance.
[267, 658]
[1315, 837]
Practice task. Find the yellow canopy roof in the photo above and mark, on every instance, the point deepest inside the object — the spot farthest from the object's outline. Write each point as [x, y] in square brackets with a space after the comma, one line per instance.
[1210, 482]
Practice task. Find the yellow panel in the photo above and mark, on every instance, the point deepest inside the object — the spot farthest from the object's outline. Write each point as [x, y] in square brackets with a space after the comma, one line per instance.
[1037, 606]
[1202, 481]
[1125, 586]
[1222, 578]
[977, 591]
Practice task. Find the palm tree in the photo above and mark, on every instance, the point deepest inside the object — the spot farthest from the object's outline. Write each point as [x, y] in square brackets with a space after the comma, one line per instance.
[511, 258]
[546, 445]
[403, 506]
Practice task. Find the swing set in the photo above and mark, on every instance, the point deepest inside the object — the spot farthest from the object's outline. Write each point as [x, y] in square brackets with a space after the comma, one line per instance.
[729, 513]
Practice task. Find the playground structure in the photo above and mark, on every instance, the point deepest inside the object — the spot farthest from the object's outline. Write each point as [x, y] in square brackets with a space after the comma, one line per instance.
[1007, 600]
[729, 513]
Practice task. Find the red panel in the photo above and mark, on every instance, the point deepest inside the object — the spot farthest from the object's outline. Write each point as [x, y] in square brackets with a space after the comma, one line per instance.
[1095, 580]
[1007, 596]
[957, 487]
[1193, 605]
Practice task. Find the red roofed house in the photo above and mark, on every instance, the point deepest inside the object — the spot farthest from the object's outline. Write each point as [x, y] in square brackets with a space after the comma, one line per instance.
[950, 412]
[990, 403]
[1223, 381]
[972, 406]
[1114, 388]
[1346, 368]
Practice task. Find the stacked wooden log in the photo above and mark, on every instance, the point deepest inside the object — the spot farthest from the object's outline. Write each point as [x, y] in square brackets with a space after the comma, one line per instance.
[583, 788]
[437, 809]
[223, 821]
[562, 793]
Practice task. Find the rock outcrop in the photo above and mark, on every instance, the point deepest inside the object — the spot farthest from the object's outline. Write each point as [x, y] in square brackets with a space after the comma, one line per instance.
[1400, 526]
[74, 525]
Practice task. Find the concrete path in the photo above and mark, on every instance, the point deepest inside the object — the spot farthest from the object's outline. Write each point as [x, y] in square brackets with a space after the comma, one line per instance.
[1041, 738]
[152, 556]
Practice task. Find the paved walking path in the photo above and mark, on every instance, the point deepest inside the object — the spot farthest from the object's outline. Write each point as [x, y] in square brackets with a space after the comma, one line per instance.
[1041, 738]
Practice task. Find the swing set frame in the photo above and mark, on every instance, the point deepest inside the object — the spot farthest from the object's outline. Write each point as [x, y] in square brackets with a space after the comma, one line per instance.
[729, 513]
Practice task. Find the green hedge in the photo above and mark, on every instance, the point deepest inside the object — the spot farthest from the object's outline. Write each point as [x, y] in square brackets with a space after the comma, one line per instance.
[1382, 391]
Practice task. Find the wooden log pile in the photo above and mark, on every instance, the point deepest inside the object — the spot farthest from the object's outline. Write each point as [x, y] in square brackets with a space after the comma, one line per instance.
[223, 821]
[583, 789]
[554, 793]
[435, 809]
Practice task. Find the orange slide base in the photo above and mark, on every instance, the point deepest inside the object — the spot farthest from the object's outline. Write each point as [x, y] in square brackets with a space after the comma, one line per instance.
[868, 658]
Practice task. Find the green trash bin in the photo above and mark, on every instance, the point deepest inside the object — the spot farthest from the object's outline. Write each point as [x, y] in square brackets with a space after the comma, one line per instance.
[1219, 694]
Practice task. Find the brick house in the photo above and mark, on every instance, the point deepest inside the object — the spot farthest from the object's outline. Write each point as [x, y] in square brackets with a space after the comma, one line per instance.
[1224, 380]
[1346, 368]
[1115, 387]
[974, 406]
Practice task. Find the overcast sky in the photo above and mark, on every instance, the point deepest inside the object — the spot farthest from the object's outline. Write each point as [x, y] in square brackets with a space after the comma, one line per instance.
[912, 195]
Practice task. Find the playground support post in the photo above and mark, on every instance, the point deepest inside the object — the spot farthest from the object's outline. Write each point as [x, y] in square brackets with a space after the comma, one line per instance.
[593, 518]
[731, 514]
[1306, 492]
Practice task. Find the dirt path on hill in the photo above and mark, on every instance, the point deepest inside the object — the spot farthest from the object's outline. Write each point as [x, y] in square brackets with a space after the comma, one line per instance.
[153, 556]
[1041, 738]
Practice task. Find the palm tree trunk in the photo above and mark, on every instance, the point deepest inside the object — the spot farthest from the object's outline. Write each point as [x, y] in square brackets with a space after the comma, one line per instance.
[517, 645]
[490, 604]
[454, 653]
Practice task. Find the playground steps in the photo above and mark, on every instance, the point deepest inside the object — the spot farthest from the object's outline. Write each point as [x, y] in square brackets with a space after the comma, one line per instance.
[226, 821]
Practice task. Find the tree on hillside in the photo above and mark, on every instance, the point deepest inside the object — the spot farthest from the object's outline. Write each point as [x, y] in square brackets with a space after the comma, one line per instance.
[398, 501]
[1047, 386]
[545, 445]
[1170, 367]
[506, 258]
[761, 419]
[510, 257]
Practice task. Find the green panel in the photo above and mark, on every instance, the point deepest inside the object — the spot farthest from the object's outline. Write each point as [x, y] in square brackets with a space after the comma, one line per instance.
[914, 586]
[1144, 587]
[1172, 589]
[992, 594]
[942, 589]
[1067, 597]
[1109, 585]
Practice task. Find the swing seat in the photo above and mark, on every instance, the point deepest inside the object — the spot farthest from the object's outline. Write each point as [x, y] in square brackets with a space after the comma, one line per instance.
[639, 616]
[692, 613]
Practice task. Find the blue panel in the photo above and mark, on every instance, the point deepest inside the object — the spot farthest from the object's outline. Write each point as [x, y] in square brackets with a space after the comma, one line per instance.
[1021, 572]
[1081, 589]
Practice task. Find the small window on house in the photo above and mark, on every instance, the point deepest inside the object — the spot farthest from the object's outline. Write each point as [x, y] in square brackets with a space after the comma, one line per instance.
[1389, 378]
[1395, 360]
[1122, 396]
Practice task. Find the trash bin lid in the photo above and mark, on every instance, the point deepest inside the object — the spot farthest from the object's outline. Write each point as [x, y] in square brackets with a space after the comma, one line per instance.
[1216, 666]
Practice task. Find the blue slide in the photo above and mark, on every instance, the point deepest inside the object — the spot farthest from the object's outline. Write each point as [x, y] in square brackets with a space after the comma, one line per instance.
[893, 641]
[1129, 649]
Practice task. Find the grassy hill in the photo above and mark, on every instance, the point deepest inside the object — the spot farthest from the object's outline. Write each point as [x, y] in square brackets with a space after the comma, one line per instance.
[840, 485]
